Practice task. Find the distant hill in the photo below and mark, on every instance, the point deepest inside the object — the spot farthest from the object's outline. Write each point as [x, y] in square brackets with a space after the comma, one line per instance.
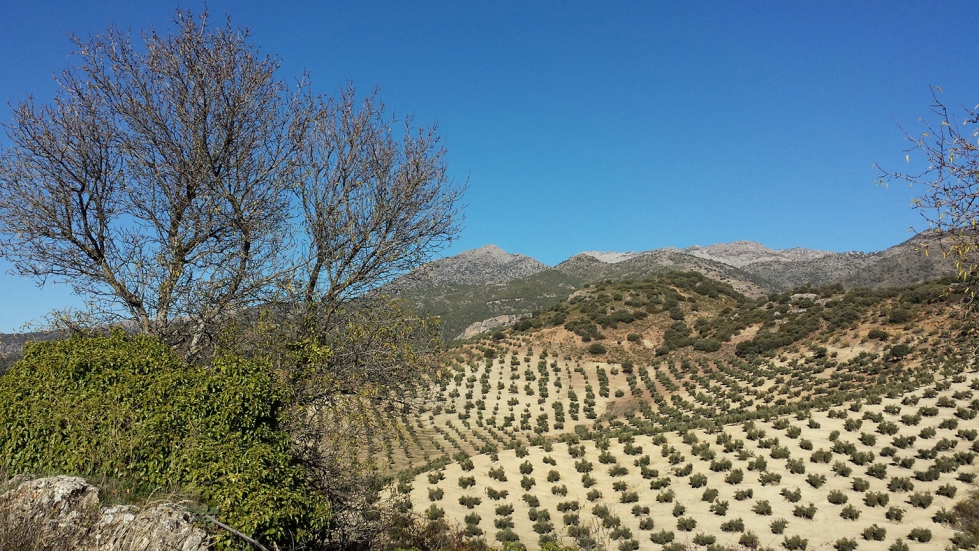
[487, 265]
[487, 287]
[901, 264]
[468, 289]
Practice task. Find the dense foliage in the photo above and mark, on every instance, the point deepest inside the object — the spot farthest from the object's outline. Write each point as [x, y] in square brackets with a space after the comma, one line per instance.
[126, 408]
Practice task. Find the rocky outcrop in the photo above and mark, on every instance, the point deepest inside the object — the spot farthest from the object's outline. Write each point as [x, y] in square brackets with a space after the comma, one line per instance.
[65, 513]
[490, 324]
[742, 253]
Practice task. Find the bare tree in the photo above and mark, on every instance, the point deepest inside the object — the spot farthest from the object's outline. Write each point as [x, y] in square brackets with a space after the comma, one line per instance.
[177, 182]
[373, 206]
[950, 180]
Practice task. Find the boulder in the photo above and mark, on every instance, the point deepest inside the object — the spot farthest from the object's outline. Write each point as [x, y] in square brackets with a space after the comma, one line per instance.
[64, 512]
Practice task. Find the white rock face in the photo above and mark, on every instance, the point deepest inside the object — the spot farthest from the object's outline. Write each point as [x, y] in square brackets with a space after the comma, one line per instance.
[66, 509]
[489, 324]
[610, 257]
[743, 253]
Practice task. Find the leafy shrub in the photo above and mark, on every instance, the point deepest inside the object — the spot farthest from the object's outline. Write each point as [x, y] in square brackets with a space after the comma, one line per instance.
[920, 499]
[842, 469]
[921, 535]
[792, 496]
[806, 512]
[662, 537]
[762, 507]
[894, 513]
[503, 523]
[850, 513]
[795, 543]
[821, 456]
[597, 349]
[686, 524]
[434, 512]
[141, 416]
[900, 484]
[495, 494]
[876, 499]
[710, 494]
[736, 476]
[844, 544]
[874, 533]
[836, 497]
[698, 480]
[528, 482]
[860, 485]
[629, 497]
[767, 478]
[735, 525]
[778, 525]
[877, 470]
[467, 481]
[704, 539]
[944, 517]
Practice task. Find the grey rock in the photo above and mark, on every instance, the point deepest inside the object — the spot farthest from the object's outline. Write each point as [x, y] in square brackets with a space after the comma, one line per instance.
[66, 510]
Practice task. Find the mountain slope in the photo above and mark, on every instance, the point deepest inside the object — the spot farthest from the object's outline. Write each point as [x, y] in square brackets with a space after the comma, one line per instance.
[487, 265]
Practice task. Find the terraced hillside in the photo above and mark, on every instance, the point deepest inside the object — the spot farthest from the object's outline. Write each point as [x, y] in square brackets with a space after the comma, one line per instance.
[674, 410]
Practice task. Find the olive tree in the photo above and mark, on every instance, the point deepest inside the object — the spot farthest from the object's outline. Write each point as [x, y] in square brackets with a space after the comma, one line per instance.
[176, 181]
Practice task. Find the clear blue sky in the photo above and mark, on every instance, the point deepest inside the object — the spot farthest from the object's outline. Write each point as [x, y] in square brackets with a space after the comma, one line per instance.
[602, 125]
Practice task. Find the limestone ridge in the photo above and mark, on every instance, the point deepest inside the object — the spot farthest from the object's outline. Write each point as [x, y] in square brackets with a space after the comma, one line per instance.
[742, 253]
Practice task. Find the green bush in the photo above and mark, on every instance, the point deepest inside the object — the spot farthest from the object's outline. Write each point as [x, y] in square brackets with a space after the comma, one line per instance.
[597, 348]
[921, 535]
[874, 533]
[126, 408]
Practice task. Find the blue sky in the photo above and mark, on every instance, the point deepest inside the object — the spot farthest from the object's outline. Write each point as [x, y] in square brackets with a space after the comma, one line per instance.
[602, 125]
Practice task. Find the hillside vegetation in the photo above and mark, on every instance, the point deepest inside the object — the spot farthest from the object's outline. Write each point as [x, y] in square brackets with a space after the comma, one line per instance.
[485, 283]
[675, 410]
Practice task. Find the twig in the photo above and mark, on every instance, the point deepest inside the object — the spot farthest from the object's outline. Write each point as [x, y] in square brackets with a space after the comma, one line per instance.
[236, 533]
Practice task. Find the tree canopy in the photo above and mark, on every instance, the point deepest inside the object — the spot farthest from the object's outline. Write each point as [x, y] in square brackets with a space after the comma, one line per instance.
[176, 180]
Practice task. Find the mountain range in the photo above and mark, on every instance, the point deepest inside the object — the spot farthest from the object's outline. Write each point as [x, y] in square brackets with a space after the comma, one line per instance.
[474, 289]
[480, 289]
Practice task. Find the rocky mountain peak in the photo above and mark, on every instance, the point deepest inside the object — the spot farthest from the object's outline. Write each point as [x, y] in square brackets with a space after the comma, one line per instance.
[485, 265]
